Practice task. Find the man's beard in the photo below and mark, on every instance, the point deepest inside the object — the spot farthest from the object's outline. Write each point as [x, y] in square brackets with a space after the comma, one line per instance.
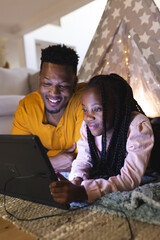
[52, 111]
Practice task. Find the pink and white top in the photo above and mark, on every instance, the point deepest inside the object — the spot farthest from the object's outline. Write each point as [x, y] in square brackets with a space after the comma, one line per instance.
[139, 145]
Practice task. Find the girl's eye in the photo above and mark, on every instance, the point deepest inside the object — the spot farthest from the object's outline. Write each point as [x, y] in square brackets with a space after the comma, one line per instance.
[98, 109]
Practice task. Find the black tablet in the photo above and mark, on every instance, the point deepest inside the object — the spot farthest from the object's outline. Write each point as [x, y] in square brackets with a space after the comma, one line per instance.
[25, 169]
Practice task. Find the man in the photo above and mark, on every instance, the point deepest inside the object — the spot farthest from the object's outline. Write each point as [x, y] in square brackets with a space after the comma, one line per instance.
[54, 112]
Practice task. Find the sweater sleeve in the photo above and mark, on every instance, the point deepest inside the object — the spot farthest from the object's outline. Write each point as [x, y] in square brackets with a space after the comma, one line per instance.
[82, 163]
[139, 145]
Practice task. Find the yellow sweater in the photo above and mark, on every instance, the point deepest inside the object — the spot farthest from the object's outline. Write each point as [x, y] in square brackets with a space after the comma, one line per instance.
[29, 119]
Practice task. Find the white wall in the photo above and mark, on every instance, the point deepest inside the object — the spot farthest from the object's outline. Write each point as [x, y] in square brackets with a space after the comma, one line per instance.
[77, 30]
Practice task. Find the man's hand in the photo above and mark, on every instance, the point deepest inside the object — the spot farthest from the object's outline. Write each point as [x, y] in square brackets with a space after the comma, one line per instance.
[62, 162]
[63, 191]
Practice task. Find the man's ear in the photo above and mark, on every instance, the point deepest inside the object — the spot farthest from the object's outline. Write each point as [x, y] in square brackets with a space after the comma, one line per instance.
[39, 76]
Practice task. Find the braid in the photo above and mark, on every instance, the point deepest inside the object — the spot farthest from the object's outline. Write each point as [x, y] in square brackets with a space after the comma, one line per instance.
[120, 93]
[98, 162]
[103, 155]
[92, 147]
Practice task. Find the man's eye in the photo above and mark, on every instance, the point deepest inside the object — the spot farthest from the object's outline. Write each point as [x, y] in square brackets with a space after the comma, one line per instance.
[84, 109]
[63, 86]
[46, 84]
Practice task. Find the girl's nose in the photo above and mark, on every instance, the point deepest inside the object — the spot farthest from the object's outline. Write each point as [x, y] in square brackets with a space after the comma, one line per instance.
[90, 116]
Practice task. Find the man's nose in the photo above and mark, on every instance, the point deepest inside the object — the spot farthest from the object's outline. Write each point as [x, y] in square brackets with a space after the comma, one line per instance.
[54, 90]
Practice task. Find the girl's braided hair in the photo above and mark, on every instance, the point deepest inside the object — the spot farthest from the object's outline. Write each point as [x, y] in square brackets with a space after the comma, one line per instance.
[110, 162]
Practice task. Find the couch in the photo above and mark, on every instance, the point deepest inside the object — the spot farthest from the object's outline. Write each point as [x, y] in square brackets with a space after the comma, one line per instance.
[14, 85]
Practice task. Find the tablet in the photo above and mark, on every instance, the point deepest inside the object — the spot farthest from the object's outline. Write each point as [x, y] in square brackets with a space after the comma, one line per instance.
[25, 169]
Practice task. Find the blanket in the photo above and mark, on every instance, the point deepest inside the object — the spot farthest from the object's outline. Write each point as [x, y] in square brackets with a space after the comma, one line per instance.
[104, 218]
[143, 203]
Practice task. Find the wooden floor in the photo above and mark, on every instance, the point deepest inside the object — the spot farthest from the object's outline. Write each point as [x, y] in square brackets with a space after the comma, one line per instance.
[8, 231]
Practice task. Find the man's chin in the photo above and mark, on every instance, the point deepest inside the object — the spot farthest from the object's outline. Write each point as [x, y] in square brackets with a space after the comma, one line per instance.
[52, 111]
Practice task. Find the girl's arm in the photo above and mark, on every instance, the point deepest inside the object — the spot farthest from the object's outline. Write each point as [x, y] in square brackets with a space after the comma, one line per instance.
[82, 164]
[139, 145]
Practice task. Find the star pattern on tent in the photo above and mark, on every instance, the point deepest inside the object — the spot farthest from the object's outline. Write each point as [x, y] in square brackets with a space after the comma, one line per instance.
[138, 6]
[132, 32]
[116, 13]
[95, 65]
[105, 33]
[127, 3]
[87, 66]
[144, 38]
[153, 7]
[100, 50]
[144, 18]
[146, 52]
[92, 51]
[140, 19]
[155, 26]
[126, 19]
[95, 36]
[105, 23]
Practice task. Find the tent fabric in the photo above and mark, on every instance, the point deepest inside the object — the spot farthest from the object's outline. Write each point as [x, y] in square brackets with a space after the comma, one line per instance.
[127, 42]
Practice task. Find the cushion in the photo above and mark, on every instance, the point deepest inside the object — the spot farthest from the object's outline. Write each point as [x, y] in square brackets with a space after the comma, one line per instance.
[9, 104]
[14, 81]
[33, 81]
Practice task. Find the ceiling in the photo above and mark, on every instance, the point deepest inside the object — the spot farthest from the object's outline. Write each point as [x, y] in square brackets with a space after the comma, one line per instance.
[18, 17]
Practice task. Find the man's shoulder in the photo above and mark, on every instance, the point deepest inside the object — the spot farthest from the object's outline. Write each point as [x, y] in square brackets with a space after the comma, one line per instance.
[32, 97]
[79, 89]
[76, 100]
[31, 101]
[80, 86]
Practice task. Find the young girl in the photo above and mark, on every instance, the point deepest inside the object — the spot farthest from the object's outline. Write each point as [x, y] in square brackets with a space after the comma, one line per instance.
[115, 144]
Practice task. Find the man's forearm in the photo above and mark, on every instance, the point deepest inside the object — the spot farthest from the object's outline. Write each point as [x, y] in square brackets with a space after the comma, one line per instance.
[61, 163]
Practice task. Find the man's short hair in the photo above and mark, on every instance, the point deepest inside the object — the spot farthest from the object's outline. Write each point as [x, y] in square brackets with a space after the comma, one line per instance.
[60, 54]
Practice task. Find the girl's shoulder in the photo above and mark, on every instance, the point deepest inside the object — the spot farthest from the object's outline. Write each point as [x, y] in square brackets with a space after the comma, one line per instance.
[138, 118]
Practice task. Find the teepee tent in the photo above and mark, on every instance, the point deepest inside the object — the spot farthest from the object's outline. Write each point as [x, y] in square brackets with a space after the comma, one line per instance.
[127, 42]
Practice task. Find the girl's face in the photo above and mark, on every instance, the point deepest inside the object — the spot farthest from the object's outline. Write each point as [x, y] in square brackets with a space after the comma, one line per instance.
[93, 111]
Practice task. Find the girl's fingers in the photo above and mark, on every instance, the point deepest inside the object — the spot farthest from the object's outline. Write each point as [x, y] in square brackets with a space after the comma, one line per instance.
[60, 197]
[57, 184]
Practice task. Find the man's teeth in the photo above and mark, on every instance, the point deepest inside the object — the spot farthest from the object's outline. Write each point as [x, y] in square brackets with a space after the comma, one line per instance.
[54, 100]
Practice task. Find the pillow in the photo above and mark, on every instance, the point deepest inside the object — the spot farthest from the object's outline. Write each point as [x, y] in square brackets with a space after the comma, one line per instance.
[9, 104]
[14, 81]
[34, 81]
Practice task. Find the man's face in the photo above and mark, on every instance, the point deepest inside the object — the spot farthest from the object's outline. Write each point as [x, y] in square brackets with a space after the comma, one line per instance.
[57, 83]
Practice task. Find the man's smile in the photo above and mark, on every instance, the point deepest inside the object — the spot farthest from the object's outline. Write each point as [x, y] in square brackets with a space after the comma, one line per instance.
[54, 101]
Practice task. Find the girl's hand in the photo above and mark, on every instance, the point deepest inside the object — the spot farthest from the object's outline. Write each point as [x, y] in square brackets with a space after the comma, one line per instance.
[63, 191]
[77, 181]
